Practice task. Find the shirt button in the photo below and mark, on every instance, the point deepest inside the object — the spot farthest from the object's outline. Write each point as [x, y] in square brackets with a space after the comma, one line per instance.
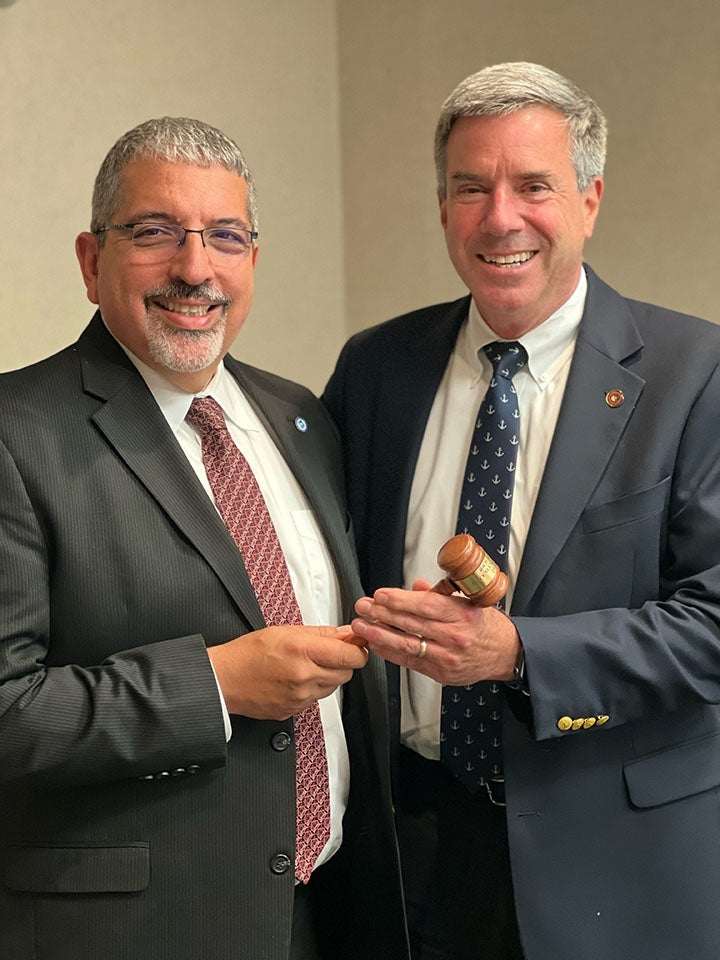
[280, 863]
[281, 741]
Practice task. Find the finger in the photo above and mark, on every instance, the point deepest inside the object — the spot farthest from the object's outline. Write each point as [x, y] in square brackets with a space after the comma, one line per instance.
[422, 622]
[338, 655]
[393, 645]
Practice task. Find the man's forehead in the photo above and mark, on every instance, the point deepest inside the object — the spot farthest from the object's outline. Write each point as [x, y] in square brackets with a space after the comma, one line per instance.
[168, 185]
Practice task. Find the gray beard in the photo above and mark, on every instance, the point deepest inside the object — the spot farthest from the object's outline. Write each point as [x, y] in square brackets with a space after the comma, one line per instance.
[185, 351]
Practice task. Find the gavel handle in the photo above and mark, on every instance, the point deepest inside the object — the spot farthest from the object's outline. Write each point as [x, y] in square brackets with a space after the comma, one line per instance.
[445, 586]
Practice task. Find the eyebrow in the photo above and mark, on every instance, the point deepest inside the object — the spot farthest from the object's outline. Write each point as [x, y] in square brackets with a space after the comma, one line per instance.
[161, 216]
[462, 177]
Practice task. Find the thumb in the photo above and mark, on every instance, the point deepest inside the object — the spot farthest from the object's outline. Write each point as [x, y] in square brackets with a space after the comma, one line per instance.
[421, 585]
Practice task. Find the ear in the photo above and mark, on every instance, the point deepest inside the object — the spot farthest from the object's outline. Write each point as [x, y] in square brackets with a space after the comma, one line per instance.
[592, 197]
[86, 249]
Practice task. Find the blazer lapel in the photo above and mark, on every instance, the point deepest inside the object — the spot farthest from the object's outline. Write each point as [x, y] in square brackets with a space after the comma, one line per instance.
[607, 337]
[405, 393]
[134, 426]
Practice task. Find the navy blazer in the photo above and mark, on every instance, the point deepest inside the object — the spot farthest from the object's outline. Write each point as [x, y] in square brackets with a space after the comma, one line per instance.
[129, 828]
[613, 781]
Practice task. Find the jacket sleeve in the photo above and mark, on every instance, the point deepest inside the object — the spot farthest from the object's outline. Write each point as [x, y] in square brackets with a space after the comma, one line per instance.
[137, 712]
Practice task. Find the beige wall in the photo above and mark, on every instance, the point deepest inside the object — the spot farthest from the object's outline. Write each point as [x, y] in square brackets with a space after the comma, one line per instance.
[334, 102]
[653, 67]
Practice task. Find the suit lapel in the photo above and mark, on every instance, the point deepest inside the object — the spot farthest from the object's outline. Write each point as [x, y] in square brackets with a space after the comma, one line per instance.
[587, 431]
[134, 426]
[406, 391]
[280, 418]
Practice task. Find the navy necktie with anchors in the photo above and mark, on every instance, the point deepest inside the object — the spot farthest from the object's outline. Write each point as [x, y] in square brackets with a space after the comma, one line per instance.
[470, 735]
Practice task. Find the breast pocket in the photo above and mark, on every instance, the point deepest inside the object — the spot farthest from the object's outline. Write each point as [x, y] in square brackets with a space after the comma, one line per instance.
[630, 509]
[75, 868]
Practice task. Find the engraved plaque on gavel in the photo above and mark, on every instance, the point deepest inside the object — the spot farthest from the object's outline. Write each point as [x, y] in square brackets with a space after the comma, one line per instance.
[471, 571]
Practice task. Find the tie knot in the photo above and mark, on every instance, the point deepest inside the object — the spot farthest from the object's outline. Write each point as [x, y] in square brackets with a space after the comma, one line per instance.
[205, 414]
[506, 356]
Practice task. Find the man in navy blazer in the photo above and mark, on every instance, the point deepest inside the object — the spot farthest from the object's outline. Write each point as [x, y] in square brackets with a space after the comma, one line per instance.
[606, 661]
[147, 738]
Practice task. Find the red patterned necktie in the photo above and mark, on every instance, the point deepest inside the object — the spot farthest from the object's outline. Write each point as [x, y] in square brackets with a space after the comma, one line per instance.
[243, 508]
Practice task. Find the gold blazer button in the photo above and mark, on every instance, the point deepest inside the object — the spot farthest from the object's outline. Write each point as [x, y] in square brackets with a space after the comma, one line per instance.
[564, 723]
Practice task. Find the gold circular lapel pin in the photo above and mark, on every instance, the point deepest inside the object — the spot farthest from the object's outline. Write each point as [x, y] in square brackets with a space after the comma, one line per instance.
[613, 398]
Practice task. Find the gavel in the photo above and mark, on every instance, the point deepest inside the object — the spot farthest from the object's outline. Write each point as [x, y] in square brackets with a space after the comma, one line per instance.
[471, 571]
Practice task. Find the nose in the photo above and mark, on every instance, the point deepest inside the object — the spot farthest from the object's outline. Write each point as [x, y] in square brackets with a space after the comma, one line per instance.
[501, 213]
[191, 261]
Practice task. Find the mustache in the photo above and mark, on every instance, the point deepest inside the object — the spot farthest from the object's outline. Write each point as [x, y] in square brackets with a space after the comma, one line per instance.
[177, 290]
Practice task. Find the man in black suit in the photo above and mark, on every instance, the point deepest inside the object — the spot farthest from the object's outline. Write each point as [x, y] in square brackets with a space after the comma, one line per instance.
[148, 699]
[602, 675]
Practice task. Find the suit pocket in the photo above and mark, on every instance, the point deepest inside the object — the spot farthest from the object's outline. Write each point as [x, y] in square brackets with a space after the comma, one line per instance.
[636, 506]
[676, 772]
[70, 868]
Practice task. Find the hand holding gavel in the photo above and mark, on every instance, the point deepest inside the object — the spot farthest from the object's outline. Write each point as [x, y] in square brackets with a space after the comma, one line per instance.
[471, 571]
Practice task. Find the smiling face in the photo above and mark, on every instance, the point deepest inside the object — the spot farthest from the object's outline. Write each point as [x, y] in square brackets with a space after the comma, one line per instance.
[179, 316]
[515, 222]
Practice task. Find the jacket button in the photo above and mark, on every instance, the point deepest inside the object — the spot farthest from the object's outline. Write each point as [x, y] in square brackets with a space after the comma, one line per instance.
[281, 741]
[280, 863]
[177, 772]
[589, 722]
[564, 723]
[193, 768]
[577, 723]
[602, 719]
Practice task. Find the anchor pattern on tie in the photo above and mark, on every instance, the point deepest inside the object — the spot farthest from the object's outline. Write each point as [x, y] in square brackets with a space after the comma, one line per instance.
[470, 729]
[242, 506]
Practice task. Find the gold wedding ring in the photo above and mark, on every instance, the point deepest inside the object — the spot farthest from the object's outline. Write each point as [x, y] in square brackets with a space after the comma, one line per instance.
[422, 649]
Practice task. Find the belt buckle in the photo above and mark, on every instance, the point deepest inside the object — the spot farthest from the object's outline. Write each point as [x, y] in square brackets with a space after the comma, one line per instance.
[498, 785]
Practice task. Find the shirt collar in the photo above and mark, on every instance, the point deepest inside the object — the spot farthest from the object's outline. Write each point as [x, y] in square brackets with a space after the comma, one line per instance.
[547, 345]
[175, 403]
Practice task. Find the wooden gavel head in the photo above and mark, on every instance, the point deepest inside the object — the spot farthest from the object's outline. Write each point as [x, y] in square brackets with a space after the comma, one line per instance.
[471, 571]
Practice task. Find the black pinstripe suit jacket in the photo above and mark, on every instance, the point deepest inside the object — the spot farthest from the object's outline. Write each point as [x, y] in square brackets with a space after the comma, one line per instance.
[129, 829]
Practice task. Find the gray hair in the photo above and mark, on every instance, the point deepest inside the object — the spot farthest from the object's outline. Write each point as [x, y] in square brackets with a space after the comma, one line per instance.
[176, 139]
[504, 88]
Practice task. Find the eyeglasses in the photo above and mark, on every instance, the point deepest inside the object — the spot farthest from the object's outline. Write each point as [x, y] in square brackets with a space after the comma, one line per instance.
[159, 241]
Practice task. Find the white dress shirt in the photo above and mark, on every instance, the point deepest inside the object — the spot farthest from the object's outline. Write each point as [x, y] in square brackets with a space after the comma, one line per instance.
[306, 554]
[439, 473]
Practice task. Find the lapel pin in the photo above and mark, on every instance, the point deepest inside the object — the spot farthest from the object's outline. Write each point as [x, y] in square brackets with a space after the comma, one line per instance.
[614, 398]
[301, 424]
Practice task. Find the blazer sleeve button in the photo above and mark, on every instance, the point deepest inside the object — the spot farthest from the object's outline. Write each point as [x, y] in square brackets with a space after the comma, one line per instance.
[576, 724]
[564, 723]
[602, 719]
[589, 722]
